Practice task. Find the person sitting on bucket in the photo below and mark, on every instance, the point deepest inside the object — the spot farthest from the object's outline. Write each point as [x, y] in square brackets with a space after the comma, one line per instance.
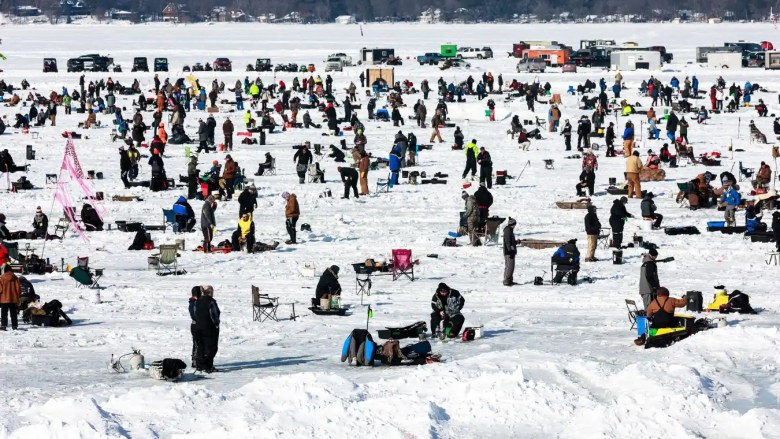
[567, 258]
[661, 309]
[328, 286]
[447, 304]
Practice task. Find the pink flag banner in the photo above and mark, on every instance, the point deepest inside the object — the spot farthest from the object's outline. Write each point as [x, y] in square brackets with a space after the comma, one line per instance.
[71, 164]
[62, 197]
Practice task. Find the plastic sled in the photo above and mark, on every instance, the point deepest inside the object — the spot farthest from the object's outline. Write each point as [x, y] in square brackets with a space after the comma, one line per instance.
[411, 331]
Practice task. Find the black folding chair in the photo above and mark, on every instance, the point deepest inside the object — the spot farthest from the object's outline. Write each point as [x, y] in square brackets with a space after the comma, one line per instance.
[263, 306]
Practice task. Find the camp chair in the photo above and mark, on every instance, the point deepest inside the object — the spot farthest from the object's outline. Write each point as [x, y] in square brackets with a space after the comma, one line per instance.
[402, 264]
[565, 270]
[383, 184]
[72, 211]
[491, 229]
[632, 313]
[683, 156]
[263, 306]
[169, 219]
[272, 169]
[61, 227]
[85, 278]
[747, 173]
[604, 238]
[685, 189]
[314, 176]
[169, 259]
[83, 262]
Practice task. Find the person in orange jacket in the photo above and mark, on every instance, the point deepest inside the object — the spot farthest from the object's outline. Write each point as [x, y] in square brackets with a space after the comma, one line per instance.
[161, 133]
[10, 295]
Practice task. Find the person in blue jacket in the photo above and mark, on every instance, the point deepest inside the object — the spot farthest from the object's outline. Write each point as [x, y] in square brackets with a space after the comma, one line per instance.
[567, 261]
[395, 165]
[695, 85]
[731, 200]
[185, 216]
[616, 90]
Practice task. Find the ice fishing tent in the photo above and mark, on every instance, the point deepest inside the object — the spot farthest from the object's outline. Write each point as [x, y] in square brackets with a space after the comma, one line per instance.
[387, 74]
[635, 59]
[449, 50]
[772, 60]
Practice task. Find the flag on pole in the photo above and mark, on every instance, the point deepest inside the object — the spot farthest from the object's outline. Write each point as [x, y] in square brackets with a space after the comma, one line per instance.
[361, 30]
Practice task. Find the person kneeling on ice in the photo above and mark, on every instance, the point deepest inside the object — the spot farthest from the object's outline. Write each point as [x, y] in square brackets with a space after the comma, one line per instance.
[661, 310]
[447, 304]
[185, 216]
[244, 234]
[328, 286]
[567, 262]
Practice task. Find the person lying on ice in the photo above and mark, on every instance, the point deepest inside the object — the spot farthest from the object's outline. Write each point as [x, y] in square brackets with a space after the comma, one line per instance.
[447, 304]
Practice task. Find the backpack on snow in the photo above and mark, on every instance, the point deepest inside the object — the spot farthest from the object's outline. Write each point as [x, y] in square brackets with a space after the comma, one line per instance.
[468, 334]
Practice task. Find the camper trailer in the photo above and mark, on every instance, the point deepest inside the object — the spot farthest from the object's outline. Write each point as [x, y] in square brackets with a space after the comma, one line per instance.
[724, 60]
[587, 44]
[552, 55]
[703, 52]
[772, 60]
[635, 59]
[376, 56]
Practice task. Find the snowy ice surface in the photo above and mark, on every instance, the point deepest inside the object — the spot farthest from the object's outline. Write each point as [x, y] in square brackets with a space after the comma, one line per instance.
[556, 361]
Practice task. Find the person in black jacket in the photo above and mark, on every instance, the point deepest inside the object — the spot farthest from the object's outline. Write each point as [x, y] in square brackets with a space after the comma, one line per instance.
[583, 133]
[124, 166]
[350, 178]
[458, 138]
[336, 154]
[302, 158]
[587, 180]
[158, 172]
[90, 218]
[485, 167]
[593, 230]
[329, 284]
[617, 219]
[609, 138]
[395, 115]
[484, 200]
[247, 201]
[40, 224]
[330, 113]
[207, 329]
[447, 304]
[648, 210]
[775, 229]
[510, 251]
[195, 294]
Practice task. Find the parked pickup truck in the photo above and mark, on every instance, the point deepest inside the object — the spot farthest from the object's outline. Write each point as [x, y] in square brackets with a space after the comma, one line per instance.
[346, 60]
[431, 58]
[334, 64]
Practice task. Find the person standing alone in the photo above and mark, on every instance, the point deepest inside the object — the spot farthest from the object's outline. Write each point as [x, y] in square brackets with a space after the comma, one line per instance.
[510, 251]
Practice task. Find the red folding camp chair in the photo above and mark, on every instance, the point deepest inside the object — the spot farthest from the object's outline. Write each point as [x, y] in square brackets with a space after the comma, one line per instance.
[402, 264]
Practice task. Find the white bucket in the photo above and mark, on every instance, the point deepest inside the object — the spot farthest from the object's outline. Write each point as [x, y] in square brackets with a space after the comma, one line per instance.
[646, 225]
[180, 244]
[96, 297]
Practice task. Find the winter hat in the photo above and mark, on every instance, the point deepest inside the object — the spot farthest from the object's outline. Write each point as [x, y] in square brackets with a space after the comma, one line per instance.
[512, 222]
[443, 287]
[636, 153]
[38, 209]
[662, 291]
[573, 241]
[286, 195]
[653, 252]
[210, 199]
[464, 195]
[335, 269]
[624, 200]
[207, 290]
[181, 200]
[2, 217]
[228, 157]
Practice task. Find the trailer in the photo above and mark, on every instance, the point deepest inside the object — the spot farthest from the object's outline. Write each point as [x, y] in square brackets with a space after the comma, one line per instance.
[724, 60]
[772, 61]
[553, 56]
[703, 52]
[587, 44]
[629, 60]
[376, 56]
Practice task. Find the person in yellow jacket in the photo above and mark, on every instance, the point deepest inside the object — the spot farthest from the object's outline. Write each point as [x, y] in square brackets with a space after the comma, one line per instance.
[471, 159]
[244, 233]
[250, 123]
[633, 167]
